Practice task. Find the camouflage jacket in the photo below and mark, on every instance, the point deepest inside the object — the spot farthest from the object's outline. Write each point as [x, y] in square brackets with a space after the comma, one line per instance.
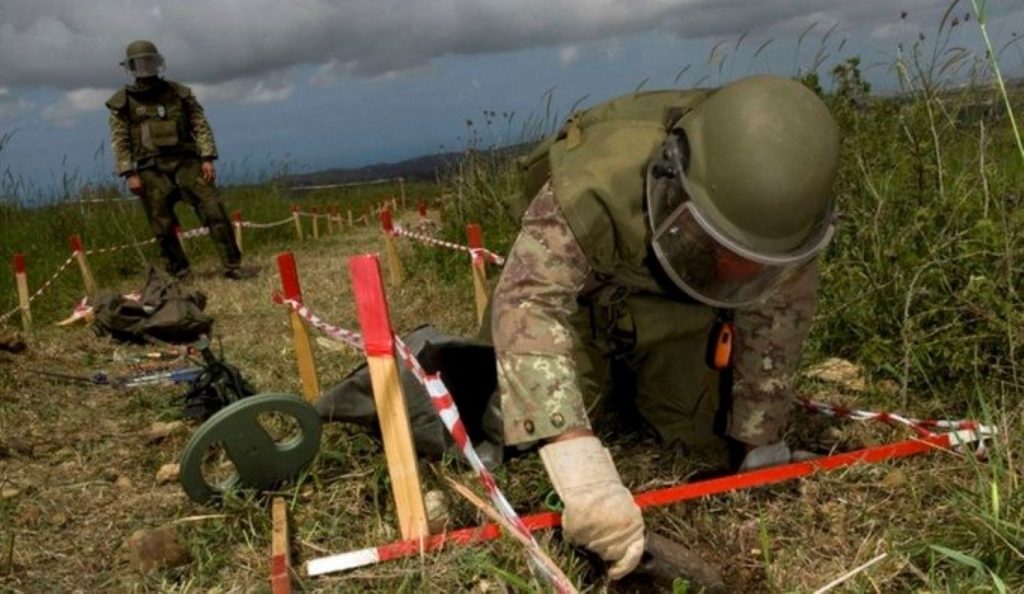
[537, 294]
[132, 111]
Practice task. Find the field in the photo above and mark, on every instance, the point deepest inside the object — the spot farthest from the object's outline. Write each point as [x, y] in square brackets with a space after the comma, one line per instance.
[921, 291]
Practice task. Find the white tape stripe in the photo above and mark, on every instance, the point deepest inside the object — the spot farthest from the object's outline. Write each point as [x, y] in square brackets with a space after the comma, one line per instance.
[342, 562]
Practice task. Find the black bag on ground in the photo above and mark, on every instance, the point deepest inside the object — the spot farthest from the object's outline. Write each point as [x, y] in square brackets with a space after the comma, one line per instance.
[468, 370]
[166, 312]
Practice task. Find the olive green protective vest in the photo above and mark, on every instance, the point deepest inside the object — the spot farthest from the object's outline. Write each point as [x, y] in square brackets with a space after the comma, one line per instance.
[597, 165]
[158, 120]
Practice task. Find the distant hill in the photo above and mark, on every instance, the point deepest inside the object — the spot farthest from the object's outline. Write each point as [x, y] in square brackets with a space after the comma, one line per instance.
[424, 168]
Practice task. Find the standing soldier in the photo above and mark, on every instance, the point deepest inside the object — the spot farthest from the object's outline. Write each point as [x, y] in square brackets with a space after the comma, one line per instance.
[164, 148]
[668, 228]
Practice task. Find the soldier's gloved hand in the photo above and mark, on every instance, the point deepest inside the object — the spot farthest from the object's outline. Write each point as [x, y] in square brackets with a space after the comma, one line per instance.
[134, 183]
[209, 172]
[600, 513]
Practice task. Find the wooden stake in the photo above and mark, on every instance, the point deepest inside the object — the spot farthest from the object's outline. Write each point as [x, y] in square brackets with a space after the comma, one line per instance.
[401, 190]
[394, 264]
[78, 251]
[476, 241]
[372, 307]
[316, 223]
[280, 560]
[303, 345]
[21, 277]
[236, 217]
[350, 224]
[330, 219]
[422, 207]
[298, 222]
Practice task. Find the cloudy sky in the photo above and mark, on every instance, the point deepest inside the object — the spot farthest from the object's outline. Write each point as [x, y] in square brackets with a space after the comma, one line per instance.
[313, 84]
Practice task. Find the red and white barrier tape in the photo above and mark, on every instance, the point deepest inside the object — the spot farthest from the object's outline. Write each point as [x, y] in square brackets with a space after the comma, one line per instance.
[349, 337]
[197, 232]
[475, 252]
[921, 427]
[117, 248]
[253, 225]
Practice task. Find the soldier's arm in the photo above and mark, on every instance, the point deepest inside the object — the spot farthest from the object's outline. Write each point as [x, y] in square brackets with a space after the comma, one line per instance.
[533, 339]
[768, 343]
[201, 130]
[121, 143]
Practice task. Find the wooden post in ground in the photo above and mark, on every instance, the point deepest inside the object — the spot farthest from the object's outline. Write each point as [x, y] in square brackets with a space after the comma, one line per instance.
[330, 219]
[395, 271]
[78, 251]
[21, 278]
[422, 207]
[337, 217]
[298, 221]
[372, 308]
[401, 190]
[300, 334]
[236, 218]
[316, 222]
[350, 223]
[280, 560]
[476, 241]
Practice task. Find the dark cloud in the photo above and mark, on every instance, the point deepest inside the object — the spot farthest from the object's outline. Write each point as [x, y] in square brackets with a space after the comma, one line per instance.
[72, 45]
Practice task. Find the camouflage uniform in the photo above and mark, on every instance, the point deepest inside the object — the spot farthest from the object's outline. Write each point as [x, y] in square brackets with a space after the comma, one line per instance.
[565, 337]
[158, 130]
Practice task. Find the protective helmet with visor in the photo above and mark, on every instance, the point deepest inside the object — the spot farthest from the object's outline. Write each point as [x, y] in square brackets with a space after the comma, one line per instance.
[703, 234]
[142, 60]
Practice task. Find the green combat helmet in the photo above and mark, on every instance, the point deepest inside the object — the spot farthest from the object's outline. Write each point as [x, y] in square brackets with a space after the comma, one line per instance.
[142, 59]
[741, 195]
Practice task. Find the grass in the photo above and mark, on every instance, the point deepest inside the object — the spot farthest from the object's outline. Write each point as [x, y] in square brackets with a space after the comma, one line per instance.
[921, 289]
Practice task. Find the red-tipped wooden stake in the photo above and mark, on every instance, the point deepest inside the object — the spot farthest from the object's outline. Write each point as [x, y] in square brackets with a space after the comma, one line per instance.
[423, 211]
[350, 223]
[298, 221]
[303, 345]
[479, 267]
[329, 212]
[21, 278]
[280, 560]
[78, 251]
[395, 271]
[316, 223]
[372, 307]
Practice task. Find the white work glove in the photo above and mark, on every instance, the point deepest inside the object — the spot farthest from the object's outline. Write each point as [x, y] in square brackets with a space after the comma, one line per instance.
[600, 513]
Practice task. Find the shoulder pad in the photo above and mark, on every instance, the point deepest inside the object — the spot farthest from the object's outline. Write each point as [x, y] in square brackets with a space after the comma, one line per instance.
[183, 91]
[118, 100]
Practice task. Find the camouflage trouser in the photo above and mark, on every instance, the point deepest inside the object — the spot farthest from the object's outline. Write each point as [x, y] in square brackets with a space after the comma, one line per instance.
[165, 183]
[645, 357]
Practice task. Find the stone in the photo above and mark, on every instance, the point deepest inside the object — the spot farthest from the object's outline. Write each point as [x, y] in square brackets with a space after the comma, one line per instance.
[158, 431]
[841, 372]
[123, 483]
[168, 473]
[437, 511]
[160, 548]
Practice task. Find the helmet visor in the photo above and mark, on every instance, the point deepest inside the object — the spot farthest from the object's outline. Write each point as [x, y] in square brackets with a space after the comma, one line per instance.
[714, 269]
[145, 65]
